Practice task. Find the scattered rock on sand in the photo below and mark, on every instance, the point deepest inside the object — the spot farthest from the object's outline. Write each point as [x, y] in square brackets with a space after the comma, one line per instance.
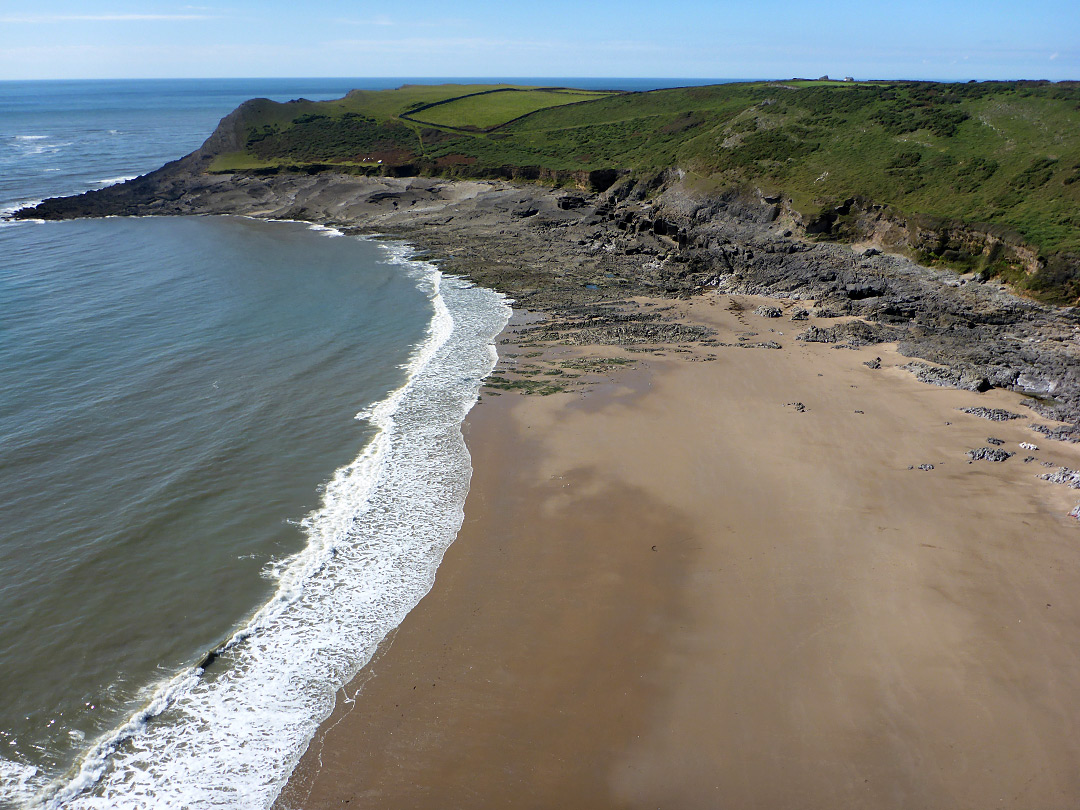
[926, 467]
[949, 377]
[993, 414]
[768, 312]
[1028, 446]
[1065, 433]
[798, 406]
[875, 363]
[995, 442]
[989, 454]
[1063, 475]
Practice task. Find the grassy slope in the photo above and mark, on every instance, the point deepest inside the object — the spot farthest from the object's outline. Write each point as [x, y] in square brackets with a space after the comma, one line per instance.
[484, 112]
[1006, 154]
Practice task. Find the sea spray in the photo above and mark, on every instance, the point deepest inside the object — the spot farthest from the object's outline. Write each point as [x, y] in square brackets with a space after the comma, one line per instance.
[230, 736]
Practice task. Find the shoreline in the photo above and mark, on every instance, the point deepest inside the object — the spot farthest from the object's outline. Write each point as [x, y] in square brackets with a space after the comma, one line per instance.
[675, 587]
[584, 262]
[568, 251]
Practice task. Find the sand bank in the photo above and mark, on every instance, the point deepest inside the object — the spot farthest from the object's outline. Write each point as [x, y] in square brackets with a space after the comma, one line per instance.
[678, 588]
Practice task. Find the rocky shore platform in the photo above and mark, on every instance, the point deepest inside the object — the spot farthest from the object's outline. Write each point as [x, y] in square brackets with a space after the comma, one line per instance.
[570, 254]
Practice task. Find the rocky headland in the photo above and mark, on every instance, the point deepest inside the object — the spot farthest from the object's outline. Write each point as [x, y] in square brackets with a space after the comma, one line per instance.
[571, 253]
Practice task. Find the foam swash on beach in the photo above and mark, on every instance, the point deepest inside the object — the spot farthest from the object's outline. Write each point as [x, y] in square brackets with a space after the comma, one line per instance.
[372, 551]
[175, 397]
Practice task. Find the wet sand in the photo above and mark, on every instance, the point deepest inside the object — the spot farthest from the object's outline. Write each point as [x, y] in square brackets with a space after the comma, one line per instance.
[676, 589]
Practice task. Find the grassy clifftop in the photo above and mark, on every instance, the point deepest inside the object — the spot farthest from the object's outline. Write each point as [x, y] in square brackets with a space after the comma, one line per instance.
[1002, 155]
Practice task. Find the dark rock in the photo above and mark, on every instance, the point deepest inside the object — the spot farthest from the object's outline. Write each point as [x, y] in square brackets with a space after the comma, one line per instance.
[815, 334]
[799, 315]
[989, 454]
[1063, 475]
[993, 414]
[1065, 433]
[995, 442]
[768, 312]
[875, 363]
[857, 292]
[948, 377]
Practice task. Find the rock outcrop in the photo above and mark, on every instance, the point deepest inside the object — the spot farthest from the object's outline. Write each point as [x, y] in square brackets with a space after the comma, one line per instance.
[558, 249]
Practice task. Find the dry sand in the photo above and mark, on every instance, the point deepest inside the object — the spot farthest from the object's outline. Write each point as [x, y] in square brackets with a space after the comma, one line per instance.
[674, 590]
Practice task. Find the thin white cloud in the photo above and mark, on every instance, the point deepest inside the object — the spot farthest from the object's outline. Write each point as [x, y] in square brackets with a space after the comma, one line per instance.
[62, 18]
[1054, 56]
[382, 19]
[414, 45]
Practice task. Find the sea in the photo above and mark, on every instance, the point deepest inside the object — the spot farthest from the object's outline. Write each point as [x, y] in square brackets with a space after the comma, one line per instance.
[230, 456]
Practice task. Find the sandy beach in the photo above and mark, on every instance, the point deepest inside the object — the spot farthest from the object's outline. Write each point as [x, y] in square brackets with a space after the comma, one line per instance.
[725, 582]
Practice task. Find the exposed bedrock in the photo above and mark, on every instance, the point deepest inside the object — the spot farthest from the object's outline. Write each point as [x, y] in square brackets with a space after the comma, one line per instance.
[573, 250]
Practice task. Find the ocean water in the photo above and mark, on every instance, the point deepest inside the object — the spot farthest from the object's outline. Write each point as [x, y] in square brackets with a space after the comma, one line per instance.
[230, 457]
[216, 434]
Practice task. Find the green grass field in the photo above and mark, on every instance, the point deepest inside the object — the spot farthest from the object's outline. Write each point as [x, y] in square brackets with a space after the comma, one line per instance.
[1006, 154]
[485, 111]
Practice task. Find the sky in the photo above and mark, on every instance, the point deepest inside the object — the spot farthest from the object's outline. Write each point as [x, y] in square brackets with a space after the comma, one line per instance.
[766, 39]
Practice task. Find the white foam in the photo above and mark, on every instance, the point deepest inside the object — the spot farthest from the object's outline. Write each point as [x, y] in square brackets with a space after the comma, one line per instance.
[21, 782]
[112, 181]
[325, 229]
[231, 739]
[39, 144]
[7, 211]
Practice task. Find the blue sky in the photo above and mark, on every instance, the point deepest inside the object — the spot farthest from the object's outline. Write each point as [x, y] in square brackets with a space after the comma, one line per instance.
[1039, 39]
